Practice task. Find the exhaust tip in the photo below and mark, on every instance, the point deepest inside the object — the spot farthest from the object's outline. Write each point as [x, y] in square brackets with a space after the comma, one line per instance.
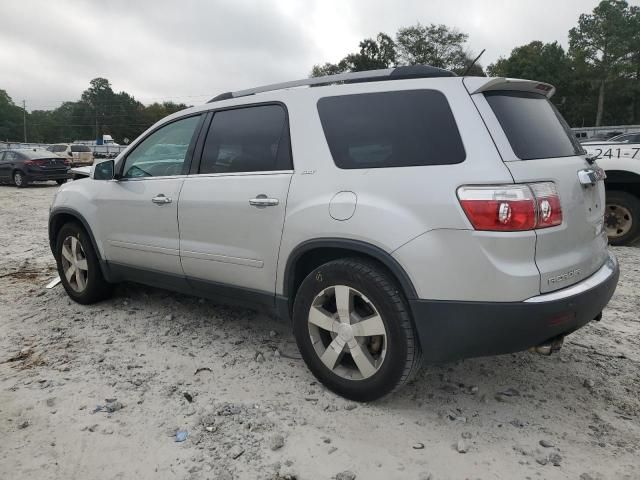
[547, 348]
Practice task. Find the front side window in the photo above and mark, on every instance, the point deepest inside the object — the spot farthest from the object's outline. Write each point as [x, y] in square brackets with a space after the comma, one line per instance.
[533, 125]
[162, 153]
[391, 129]
[249, 139]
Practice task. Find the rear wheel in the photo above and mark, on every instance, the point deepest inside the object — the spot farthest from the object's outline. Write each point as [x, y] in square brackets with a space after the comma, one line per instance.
[353, 329]
[622, 218]
[78, 266]
[19, 179]
[61, 181]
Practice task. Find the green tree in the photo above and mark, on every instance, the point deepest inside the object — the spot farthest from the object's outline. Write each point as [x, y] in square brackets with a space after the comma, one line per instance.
[435, 45]
[604, 39]
[373, 54]
[11, 118]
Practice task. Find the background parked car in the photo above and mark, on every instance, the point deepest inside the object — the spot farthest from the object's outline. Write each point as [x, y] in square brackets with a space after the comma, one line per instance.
[23, 166]
[80, 155]
[626, 138]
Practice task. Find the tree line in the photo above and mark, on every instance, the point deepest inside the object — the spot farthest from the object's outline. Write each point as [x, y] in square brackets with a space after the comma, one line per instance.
[99, 111]
[597, 79]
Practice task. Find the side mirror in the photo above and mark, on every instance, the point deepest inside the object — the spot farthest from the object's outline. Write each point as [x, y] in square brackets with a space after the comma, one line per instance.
[104, 170]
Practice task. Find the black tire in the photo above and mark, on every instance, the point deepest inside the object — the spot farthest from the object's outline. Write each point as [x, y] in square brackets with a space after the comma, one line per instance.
[622, 207]
[403, 356]
[61, 181]
[96, 287]
[19, 179]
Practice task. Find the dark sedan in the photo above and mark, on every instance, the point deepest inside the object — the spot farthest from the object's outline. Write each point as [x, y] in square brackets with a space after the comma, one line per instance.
[32, 165]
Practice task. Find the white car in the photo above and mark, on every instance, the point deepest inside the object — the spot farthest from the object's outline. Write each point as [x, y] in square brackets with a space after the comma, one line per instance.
[78, 155]
[393, 216]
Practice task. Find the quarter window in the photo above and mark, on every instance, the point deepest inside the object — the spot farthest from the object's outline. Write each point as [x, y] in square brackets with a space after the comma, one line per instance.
[162, 153]
[250, 139]
[391, 129]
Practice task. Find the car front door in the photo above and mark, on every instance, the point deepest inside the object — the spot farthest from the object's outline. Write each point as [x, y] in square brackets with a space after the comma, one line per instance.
[137, 213]
[231, 211]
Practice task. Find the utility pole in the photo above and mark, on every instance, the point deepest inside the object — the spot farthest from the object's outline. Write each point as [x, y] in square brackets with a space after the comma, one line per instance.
[24, 119]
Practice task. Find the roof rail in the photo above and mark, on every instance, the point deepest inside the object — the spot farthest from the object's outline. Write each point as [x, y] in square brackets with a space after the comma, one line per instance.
[397, 73]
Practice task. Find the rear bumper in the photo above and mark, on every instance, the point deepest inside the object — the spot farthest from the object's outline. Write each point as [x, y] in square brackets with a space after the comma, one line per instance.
[42, 176]
[451, 330]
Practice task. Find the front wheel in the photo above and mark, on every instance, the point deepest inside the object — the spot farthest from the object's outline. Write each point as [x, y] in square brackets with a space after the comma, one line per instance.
[78, 266]
[622, 218]
[353, 329]
[61, 181]
[19, 179]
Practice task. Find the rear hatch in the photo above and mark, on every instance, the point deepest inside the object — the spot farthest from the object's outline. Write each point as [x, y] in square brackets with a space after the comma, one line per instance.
[536, 145]
[82, 155]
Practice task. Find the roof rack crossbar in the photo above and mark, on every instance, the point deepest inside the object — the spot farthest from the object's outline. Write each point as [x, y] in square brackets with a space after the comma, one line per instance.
[397, 73]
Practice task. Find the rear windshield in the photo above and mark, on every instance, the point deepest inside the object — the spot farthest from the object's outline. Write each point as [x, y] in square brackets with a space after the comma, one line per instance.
[80, 148]
[533, 125]
[391, 129]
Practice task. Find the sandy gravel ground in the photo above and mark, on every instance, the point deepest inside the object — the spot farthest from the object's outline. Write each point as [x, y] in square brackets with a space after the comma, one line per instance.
[256, 412]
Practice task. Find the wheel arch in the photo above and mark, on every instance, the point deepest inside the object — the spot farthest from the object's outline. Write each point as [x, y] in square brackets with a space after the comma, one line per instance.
[59, 217]
[313, 253]
[623, 180]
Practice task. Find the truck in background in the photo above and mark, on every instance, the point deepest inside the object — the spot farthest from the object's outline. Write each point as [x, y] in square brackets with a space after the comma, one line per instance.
[621, 162]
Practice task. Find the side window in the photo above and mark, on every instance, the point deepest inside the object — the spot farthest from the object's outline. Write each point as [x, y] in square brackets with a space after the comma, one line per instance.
[2, 156]
[391, 129]
[251, 139]
[10, 156]
[163, 152]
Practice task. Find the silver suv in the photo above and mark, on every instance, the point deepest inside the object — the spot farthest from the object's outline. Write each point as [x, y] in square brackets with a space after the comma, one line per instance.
[393, 216]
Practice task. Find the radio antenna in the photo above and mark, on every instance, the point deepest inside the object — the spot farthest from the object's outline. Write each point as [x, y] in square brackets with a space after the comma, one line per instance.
[473, 63]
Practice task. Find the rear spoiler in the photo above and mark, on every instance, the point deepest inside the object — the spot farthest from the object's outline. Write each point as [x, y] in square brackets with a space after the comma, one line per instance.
[483, 84]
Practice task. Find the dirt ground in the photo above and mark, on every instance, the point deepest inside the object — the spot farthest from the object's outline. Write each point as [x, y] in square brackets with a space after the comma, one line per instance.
[255, 411]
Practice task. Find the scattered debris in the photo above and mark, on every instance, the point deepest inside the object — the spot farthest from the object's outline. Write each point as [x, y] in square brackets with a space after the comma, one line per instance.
[181, 435]
[203, 369]
[418, 446]
[276, 442]
[53, 283]
[346, 475]
[236, 451]
[188, 397]
[546, 443]
[462, 446]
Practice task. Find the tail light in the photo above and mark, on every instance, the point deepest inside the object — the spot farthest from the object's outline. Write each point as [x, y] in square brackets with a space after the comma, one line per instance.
[36, 163]
[549, 209]
[511, 208]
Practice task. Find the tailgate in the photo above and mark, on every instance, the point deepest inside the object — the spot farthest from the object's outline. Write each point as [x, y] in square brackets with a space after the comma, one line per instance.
[536, 145]
[572, 251]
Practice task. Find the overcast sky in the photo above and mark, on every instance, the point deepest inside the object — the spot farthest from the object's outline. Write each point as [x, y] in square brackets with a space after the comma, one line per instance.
[189, 51]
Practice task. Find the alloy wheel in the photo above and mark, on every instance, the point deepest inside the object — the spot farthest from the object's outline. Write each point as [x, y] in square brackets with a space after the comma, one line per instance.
[347, 332]
[74, 264]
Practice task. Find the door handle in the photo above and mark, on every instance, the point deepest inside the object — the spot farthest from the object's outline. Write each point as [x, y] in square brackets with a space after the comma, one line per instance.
[263, 201]
[161, 199]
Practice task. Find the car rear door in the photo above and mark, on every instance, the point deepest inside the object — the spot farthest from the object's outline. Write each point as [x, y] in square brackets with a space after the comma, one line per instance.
[231, 209]
[537, 146]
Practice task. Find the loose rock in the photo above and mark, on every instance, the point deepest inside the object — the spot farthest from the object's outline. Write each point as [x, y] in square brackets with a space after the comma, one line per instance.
[276, 442]
[346, 475]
